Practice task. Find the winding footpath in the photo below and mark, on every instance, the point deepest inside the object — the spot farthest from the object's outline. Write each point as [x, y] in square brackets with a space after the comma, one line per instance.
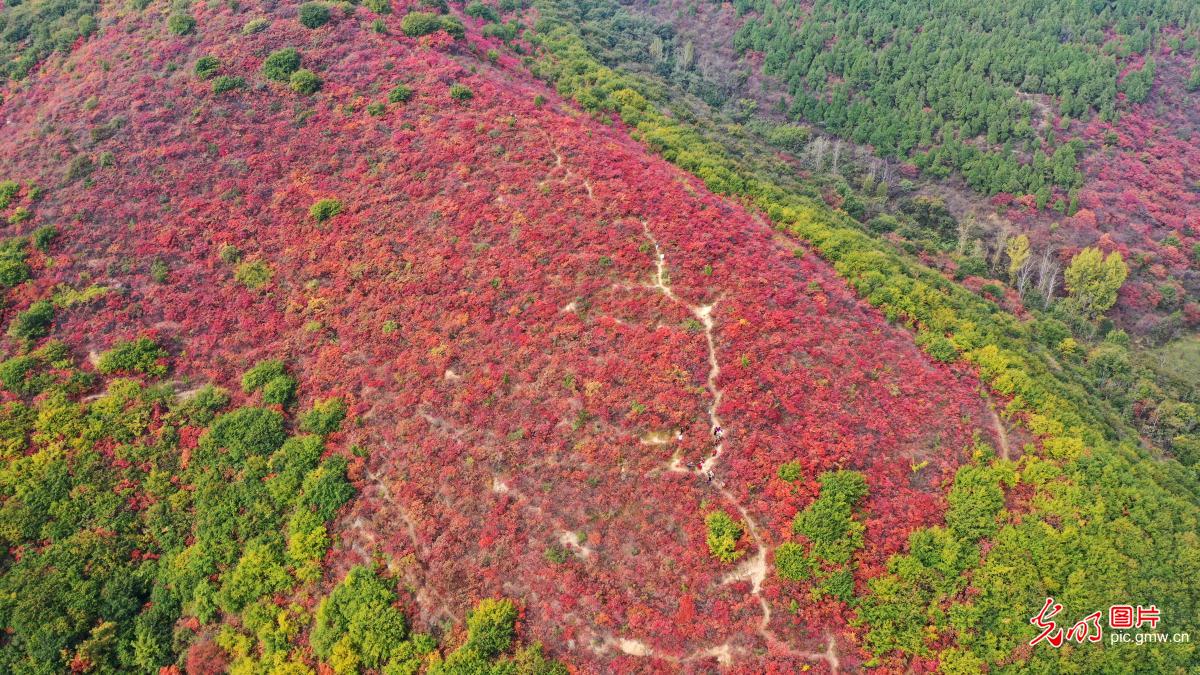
[753, 569]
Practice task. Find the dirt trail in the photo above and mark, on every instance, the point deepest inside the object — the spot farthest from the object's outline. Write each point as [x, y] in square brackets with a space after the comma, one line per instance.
[753, 569]
[1001, 432]
[703, 314]
[363, 540]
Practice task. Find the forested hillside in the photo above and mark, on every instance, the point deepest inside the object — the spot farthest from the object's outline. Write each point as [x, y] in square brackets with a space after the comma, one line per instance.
[427, 337]
[953, 83]
[961, 189]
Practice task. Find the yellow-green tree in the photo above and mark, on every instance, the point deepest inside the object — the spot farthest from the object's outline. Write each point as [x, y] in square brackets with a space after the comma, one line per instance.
[1093, 280]
[723, 535]
[1018, 252]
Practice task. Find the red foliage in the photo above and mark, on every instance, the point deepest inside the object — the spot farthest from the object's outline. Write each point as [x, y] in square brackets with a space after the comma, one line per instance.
[205, 657]
[1141, 191]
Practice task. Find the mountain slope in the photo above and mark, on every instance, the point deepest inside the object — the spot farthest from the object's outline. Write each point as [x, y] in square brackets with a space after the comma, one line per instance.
[534, 323]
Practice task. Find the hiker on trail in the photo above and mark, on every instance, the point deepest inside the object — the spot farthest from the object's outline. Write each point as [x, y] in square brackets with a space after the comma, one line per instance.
[710, 476]
[679, 435]
[718, 433]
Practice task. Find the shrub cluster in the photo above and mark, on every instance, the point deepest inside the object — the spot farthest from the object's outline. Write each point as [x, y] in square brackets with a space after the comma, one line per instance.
[305, 82]
[416, 24]
[313, 14]
[324, 209]
[272, 378]
[280, 64]
[141, 355]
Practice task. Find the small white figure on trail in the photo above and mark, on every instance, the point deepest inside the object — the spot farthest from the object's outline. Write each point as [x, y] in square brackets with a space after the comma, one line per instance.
[679, 435]
[718, 433]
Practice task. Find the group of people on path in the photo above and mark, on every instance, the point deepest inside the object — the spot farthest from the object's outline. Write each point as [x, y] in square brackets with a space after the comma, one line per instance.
[718, 434]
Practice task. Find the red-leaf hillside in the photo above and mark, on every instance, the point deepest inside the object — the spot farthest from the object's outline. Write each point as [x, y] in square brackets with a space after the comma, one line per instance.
[1143, 198]
[535, 323]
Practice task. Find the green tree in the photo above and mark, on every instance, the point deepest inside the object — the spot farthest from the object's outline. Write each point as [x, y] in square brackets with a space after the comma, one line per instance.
[262, 373]
[254, 274]
[1137, 83]
[723, 535]
[34, 322]
[280, 64]
[13, 266]
[416, 24]
[44, 236]
[9, 189]
[791, 471]
[1017, 249]
[313, 15]
[224, 83]
[280, 391]
[247, 432]
[1092, 279]
[379, 6]
[791, 562]
[306, 544]
[141, 355]
[829, 521]
[181, 24]
[206, 67]
[400, 94]
[490, 627]
[360, 612]
[326, 489]
[324, 209]
[258, 573]
[975, 501]
[305, 82]
[324, 418]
